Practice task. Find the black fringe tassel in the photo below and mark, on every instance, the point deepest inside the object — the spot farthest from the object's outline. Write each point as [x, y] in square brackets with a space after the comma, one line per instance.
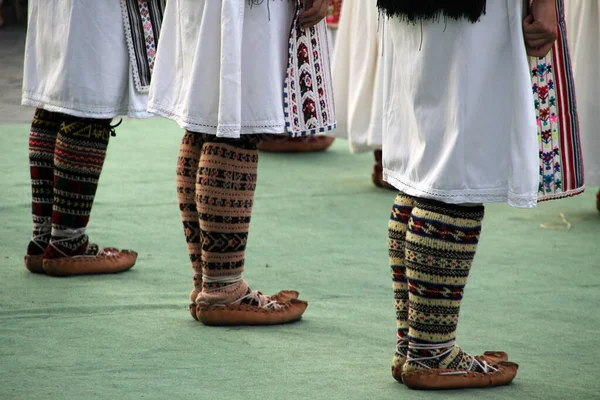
[414, 11]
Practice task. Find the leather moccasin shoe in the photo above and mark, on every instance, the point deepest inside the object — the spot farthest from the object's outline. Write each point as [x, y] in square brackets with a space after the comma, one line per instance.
[491, 357]
[281, 297]
[245, 314]
[107, 261]
[304, 144]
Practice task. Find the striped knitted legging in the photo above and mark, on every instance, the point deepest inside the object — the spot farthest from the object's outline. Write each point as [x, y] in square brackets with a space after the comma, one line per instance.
[66, 156]
[216, 179]
[431, 248]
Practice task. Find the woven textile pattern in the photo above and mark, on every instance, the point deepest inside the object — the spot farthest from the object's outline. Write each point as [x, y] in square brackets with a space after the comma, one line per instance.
[561, 164]
[78, 159]
[142, 21]
[42, 139]
[440, 246]
[308, 92]
[397, 226]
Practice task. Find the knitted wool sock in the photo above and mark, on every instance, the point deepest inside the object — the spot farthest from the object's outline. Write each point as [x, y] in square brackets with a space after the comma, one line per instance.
[187, 168]
[225, 186]
[397, 227]
[42, 140]
[78, 159]
[440, 246]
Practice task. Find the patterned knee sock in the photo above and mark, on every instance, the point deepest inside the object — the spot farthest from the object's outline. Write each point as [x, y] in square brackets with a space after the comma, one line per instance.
[225, 187]
[42, 140]
[440, 246]
[78, 160]
[187, 168]
[397, 227]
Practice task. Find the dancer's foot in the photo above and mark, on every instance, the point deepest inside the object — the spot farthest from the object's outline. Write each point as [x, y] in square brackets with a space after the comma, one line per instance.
[251, 308]
[377, 175]
[303, 144]
[455, 369]
[281, 297]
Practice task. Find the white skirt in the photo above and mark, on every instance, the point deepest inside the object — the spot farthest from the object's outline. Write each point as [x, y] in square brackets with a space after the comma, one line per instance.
[221, 65]
[459, 121]
[583, 18]
[357, 76]
[77, 61]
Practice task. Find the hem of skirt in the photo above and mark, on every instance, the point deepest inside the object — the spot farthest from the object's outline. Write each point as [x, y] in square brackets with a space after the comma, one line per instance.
[82, 111]
[474, 196]
[213, 128]
[561, 195]
[357, 148]
[363, 148]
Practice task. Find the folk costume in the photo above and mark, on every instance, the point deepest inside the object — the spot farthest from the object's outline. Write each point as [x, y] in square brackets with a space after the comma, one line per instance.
[83, 67]
[584, 39]
[229, 72]
[457, 135]
[357, 69]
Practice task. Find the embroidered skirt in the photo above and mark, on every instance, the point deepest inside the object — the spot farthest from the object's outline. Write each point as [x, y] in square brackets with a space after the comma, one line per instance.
[459, 122]
[584, 42]
[560, 156]
[77, 60]
[234, 67]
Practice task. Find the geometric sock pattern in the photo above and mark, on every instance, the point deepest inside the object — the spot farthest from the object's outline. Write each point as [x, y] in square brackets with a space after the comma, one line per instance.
[441, 242]
[78, 159]
[187, 168]
[42, 139]
[225, 185]
[397, 226]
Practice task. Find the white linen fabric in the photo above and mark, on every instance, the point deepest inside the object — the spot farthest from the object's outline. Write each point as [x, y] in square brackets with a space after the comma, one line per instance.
[77, 61]
[221, 65]
[583, 30]
[459, 122]
[357, 76]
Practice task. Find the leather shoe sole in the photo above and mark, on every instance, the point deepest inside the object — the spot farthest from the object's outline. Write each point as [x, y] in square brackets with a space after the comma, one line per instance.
[244, 314]
[491, 357]
[440, 379]
[35, 264]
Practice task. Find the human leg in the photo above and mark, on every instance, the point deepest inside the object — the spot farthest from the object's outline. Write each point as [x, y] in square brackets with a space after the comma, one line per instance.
[441, 242]
[225, 185]
[42, 140]
[79, 155]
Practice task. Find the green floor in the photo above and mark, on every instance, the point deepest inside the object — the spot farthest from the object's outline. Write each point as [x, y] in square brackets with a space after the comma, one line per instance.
[319, 226]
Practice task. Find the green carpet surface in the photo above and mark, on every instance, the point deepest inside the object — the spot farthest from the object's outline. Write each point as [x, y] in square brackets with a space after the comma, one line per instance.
[319, 226]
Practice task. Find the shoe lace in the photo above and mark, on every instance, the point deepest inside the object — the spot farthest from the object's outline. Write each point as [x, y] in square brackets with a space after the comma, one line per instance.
[111, 128]
[73, 234]
[402, 345]
[474, 365]
[43, 229]
[253, 297]
[256, 297]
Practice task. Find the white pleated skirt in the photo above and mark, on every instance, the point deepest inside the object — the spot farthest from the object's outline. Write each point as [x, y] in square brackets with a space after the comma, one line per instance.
[459, 123]
[221, 65]
[583, 30]
[357, 76]
[77, 62]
